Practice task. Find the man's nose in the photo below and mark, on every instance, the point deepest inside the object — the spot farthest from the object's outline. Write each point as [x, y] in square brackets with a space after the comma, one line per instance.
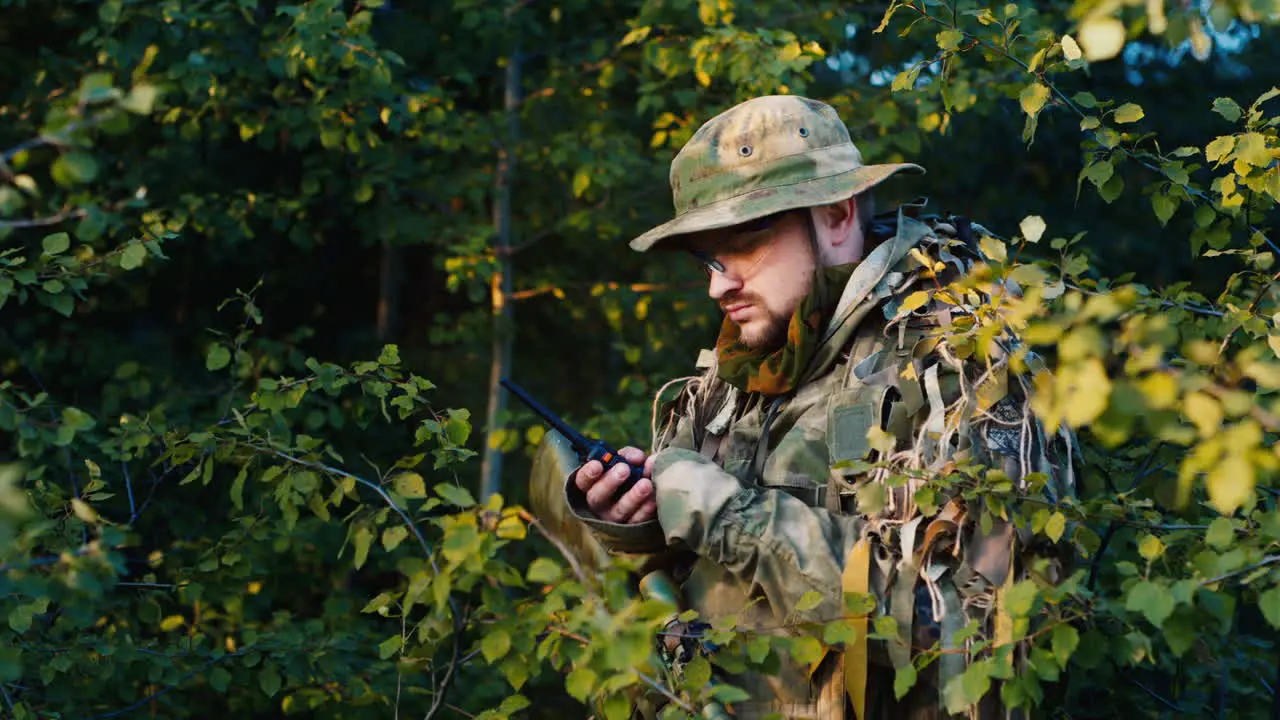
[721, 285]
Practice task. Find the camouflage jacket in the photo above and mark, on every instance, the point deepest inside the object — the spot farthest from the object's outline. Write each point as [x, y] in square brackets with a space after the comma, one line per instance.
[764, 491]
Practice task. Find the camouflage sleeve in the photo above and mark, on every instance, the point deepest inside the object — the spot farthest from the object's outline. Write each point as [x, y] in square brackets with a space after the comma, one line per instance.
[775, 543]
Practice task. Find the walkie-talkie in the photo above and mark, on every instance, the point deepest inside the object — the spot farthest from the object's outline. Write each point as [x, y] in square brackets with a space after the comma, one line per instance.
[588, 449]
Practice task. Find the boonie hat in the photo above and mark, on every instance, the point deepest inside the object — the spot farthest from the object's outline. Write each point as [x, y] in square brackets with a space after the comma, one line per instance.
[763, 156]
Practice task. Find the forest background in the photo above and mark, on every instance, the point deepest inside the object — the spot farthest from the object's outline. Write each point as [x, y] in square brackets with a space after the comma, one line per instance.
[262, 262]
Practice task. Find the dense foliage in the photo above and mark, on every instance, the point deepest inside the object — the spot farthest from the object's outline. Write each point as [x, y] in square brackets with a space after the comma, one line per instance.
[258, 259]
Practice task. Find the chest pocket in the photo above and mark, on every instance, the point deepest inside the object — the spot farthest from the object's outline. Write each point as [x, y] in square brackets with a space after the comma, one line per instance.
[875, 395]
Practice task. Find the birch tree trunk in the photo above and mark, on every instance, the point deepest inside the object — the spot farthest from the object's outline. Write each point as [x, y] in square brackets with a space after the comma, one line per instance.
[500, 285]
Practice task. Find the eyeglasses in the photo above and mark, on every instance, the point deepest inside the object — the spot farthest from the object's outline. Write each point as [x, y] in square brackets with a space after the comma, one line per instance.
[748, 232]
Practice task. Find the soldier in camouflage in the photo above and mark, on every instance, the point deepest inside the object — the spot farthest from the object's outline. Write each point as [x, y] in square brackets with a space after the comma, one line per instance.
[758, 473]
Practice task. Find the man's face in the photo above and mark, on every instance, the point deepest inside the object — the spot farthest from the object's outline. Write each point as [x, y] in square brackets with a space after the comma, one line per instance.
[768, 270]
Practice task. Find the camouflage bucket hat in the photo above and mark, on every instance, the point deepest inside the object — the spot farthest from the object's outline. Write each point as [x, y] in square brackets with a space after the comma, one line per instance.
[764, 156]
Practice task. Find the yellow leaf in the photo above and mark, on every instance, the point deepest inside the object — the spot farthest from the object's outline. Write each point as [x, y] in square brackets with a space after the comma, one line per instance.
[173, 622]
[1028, 276]
[1129, 112]
[1070, 49]
[914, 301]
[1231, 483]
[1087, 390]
[1150, 547]
[1101, 38]
[703, 78]
[1032, 228]
[83, 511]
[1204, 412]
[993, 249]
[1160, 390]
[1033, 98]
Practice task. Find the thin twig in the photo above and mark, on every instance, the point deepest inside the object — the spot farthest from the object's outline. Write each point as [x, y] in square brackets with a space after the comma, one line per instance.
[43, 221]
[1158, 697]
[1269, 560]
[128, 484]
[564, 549]
[662, 689]
[456, 614]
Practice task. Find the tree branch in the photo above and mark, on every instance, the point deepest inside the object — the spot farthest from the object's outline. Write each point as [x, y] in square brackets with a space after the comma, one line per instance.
[455, 612]
[162, 691]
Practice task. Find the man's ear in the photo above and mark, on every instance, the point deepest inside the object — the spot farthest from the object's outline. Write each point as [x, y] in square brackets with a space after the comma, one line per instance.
[839, 219]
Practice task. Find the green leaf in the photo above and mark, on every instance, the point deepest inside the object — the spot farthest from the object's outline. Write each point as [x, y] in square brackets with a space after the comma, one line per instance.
[78, 419]
[74, 168]
[389, 647]
[269, 681]
[220, 679]
[393, 536]
[543, 570]
[455, 495]
[1221, 534]
[580, 683]
[1033, 98]
[1164, 206]
[1021, 599]
[904, 678]
[809, 601]
[697, 672]
[411, 485]
[20, 618]
[362, 538]
[1269, 604]
[495, 645]
[806, 649]
[1064, 641]
[141, 99]
[132, 256]
[950, 39]
[1056, 526]
[1152, 600]
[56, 243]
[1128, 112]
[1228, 108]
[219, 357]
[581, 181]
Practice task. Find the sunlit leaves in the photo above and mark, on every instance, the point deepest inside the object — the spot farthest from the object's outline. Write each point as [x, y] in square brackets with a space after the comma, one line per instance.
[1032, 228]
[1127, 113]
[1101, 38]
[1033, 98]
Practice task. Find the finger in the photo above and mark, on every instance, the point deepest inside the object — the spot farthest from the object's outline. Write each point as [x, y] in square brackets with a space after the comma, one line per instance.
[600, 496]
[648, 466]
[632, 501]
[648, 511]
[633, 455]
[587, 475]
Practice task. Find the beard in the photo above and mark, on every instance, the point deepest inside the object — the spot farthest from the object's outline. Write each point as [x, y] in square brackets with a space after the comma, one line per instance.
[767, 332]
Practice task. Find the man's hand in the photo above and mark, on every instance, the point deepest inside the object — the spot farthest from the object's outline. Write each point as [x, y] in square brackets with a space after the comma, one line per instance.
[637, 506]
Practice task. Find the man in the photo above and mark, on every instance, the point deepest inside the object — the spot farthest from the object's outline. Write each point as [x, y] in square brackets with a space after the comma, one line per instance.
[765, 473]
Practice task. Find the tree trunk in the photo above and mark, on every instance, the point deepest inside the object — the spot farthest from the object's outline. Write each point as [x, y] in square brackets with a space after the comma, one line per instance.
[388, 292]
[500, 285]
